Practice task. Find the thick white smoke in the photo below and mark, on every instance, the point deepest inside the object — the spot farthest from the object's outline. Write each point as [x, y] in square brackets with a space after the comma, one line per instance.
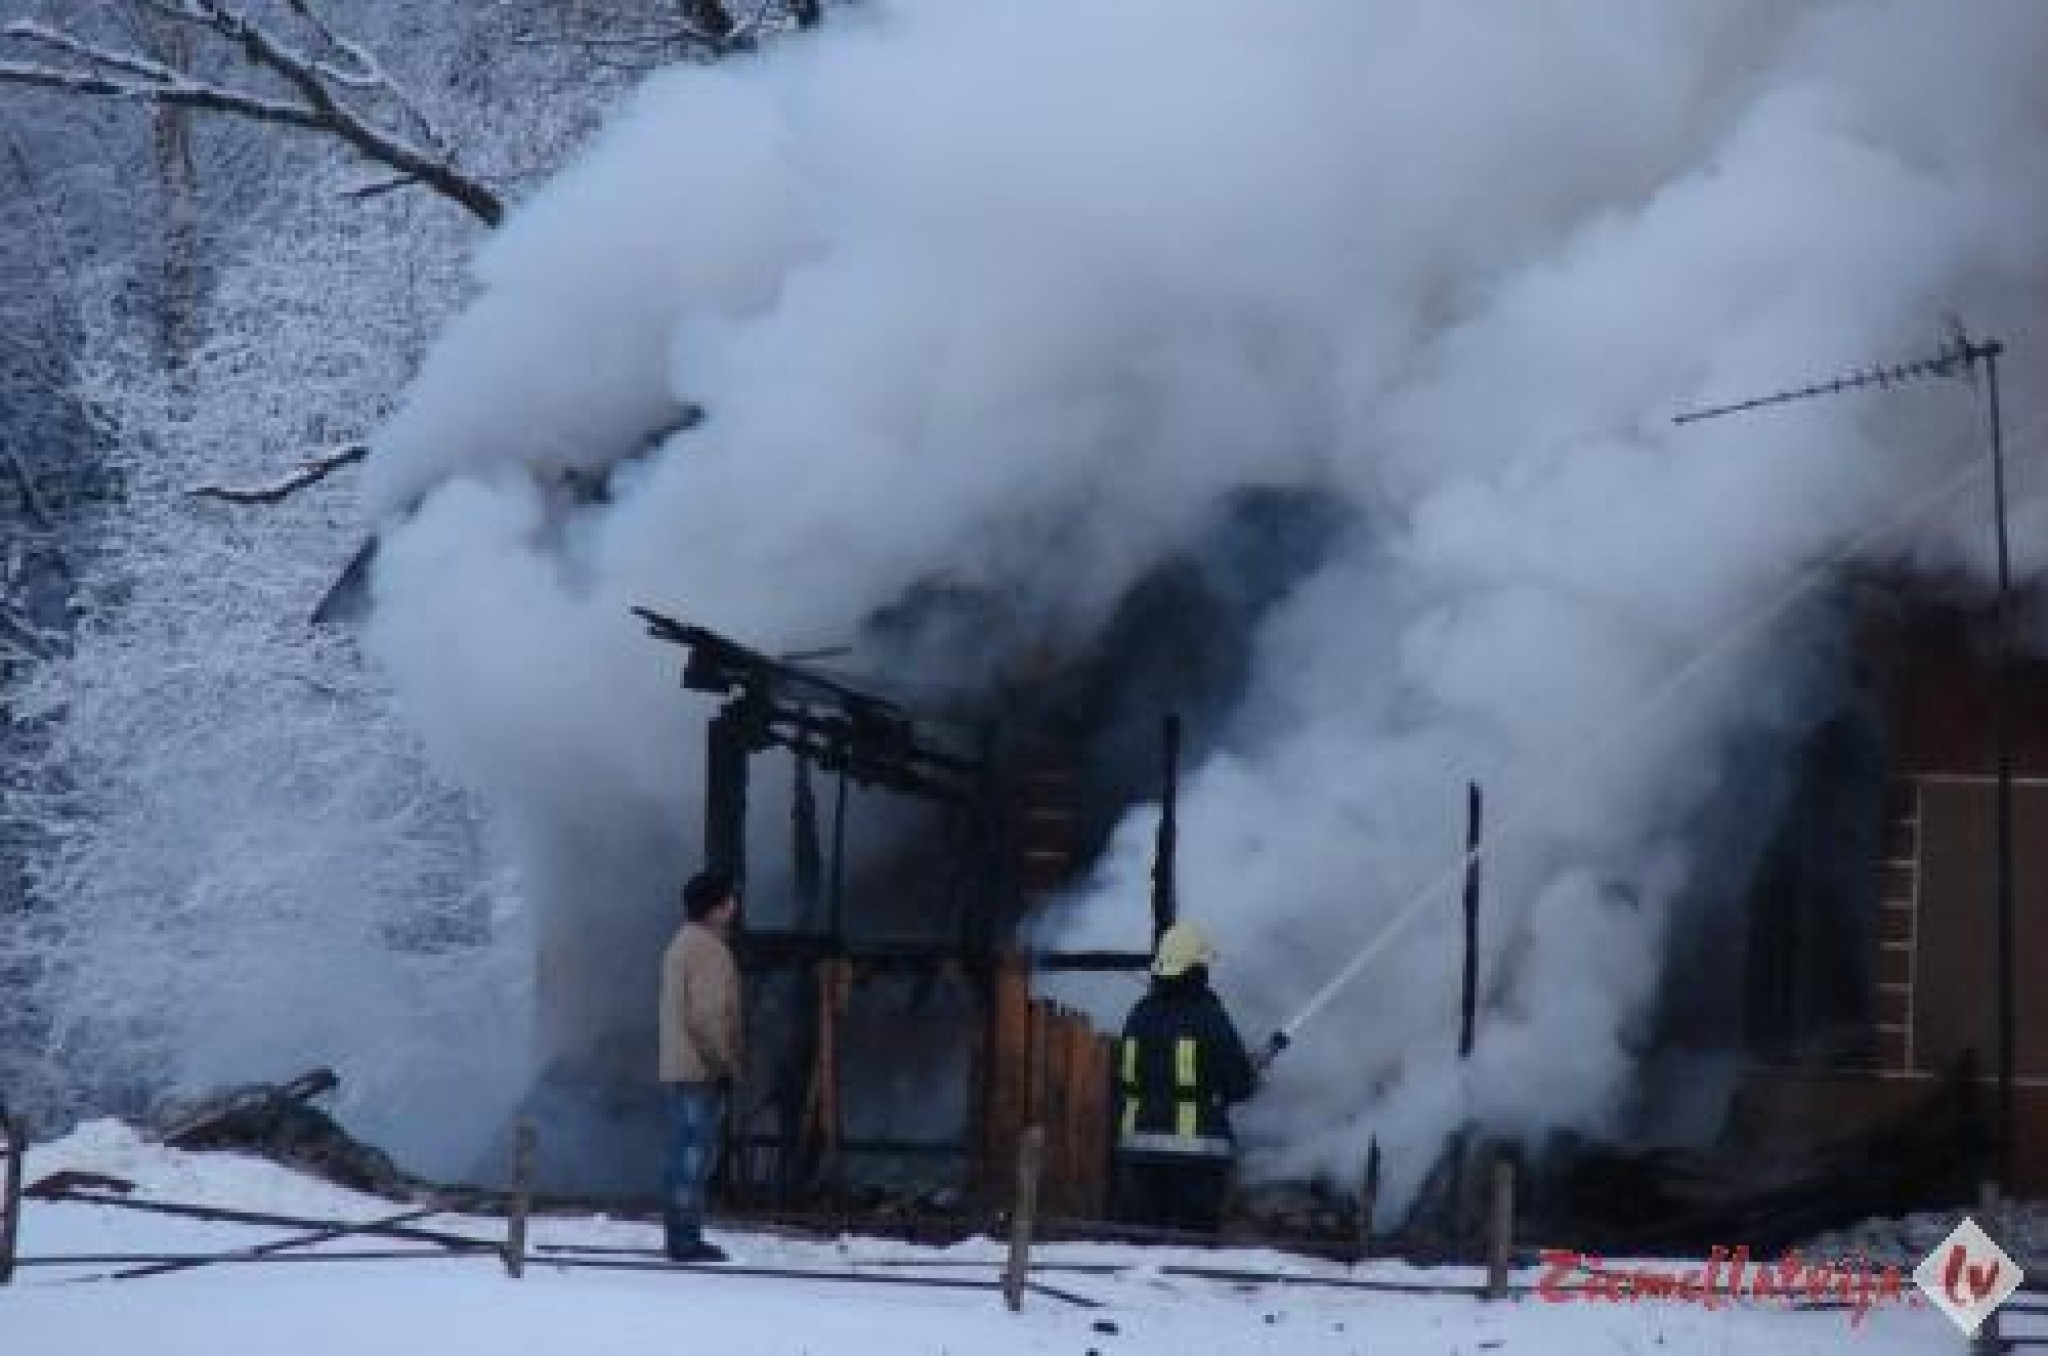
[1007, 295]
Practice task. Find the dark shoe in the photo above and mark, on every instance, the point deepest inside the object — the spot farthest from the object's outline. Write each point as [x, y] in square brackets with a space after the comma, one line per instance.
[697, 1252]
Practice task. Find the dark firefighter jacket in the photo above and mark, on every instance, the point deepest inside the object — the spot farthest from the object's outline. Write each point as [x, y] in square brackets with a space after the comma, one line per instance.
[1181, 1065]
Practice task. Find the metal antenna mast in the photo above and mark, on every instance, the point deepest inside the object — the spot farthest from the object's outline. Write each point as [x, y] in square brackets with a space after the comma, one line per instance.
[1959, 356]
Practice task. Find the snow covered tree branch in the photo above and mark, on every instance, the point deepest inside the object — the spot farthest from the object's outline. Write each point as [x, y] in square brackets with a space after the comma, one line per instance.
[702, 29]
[319, 86]
[312, 472]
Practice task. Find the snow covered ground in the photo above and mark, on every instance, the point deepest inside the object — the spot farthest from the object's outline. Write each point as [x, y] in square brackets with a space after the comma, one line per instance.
[441, 1303]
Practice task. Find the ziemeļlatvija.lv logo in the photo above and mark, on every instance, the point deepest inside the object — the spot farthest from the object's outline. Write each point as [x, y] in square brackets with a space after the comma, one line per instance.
[1968, 1276]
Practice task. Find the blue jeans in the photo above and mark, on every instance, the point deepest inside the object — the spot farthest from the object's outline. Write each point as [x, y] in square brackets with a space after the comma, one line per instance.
[696, 1110]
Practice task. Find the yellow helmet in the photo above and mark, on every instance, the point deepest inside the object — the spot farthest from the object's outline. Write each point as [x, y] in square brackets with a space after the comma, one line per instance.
[1182, 947]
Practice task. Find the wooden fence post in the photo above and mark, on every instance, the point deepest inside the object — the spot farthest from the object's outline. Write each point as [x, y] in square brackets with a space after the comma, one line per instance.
[522, 1199]
[1501, 1246]
[1030, 1155]
[13, 1145]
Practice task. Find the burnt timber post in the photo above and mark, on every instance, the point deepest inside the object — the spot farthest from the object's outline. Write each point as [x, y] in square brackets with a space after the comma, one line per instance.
[725, 794]
[13, 1145]
[1469, 1000]
[1164, 904]
[1368, 1198]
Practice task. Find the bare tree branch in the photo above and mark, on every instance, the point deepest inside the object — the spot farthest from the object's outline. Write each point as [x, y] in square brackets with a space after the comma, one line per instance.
[373, 75]
[318, 107]
[377, 188]
[31, 497]
[707, 28]
[372, 141]
[312, 472]
[191, 95]
[744, 30]
[44, 35]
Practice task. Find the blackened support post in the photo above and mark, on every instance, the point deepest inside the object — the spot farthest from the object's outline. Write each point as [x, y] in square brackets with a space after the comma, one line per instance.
[1368, 1198]
[725, 795]
[13, 1147]
[1164, 904]
[1468, 1005]
[836, 907]
[805, 854]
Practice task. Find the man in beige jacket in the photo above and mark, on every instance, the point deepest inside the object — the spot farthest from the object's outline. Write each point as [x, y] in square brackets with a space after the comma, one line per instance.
[700, 1054]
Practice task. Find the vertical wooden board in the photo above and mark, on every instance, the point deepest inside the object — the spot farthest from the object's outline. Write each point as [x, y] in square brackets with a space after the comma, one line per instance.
[1039, 1102]
[835, 990]
[1954, 933]
[1101, 1121]
[1007, 1075]
[1081, 1111]
[981, 992]
[1057, 1175]
[1035, 1079]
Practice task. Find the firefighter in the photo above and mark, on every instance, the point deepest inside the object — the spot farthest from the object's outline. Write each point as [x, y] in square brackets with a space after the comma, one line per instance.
[1181, 1065]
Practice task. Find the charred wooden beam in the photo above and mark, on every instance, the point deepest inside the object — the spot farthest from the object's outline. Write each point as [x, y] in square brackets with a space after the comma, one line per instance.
[1087, 961]
[1468, 1004]
[789, 949]
[775, 702]
[224, 1118]
[725, 795]
[13, 1148]
[806, 852]
[1164, 902]
[1369, 1198]
[906, 1148]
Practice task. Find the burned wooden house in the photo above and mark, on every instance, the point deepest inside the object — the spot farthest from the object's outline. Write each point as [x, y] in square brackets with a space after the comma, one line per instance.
[1876, 948]
[1857, 997]
[901, 1041]
[1873, 1074]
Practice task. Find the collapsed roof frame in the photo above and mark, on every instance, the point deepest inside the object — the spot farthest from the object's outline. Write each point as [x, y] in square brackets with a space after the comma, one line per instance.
[828, 724]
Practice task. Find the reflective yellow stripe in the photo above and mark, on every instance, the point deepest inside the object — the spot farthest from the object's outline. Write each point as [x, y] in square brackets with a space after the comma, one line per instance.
[1184, 1119]
[1130, 1116]
[1184, 1063]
